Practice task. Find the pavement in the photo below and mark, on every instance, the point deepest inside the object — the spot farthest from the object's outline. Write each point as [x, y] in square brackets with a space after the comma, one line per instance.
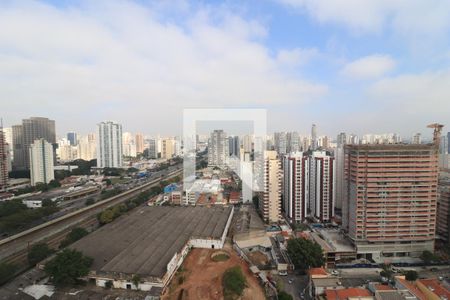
[298, 285]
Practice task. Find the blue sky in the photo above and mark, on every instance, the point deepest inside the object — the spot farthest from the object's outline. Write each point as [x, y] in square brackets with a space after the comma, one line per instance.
[370, 66]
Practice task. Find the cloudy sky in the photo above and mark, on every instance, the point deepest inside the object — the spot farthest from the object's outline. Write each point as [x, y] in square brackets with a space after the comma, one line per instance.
[347, 65]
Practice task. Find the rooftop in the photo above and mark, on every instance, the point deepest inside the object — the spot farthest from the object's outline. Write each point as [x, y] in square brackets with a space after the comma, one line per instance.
[344, 294]
[144, 241]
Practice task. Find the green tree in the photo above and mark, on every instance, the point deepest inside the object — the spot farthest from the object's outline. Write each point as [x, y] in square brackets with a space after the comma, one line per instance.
[7, 272]
[284, 296]
[89, 201]
[411, 275]
[48, 203]
[136, 279]
[67, 267]
[428, 257]
[387, 271]
[233, 282]
[38, 252]
[54, 184]
[106, 216]
[305, 254]
[74, 235]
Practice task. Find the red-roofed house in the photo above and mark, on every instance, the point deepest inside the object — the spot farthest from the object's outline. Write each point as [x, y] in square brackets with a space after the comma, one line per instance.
[433, 289]
[317, 273]
[349, 294]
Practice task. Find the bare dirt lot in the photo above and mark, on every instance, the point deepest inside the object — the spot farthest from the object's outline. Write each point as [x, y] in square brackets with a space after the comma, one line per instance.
[258, 258]
[202, 278]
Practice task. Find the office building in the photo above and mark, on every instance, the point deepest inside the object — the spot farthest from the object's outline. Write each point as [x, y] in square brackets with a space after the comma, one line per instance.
[41, 162]
[270, 200]
[24, 135]
[86, 148]
[340, 190]
[341, 139]
[417, 139]
[72, 138]
[295, 187]
[167, 148]
[152, 149]
[443, 208]
[247, 143]
[314, 140]
[321, 185]
[292, 142]
[234, 146]
[391, 193]
[139, 141]
[280, 141]
[8, 136]
[109, 145]
[3, 161]
[218, 149]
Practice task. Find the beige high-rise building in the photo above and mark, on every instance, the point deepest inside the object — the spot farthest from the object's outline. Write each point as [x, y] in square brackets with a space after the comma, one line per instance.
[3, 161]
[87, 147]
[167, 148]
[139, 139]
[391, 199]
[41, 162]
[270, 200]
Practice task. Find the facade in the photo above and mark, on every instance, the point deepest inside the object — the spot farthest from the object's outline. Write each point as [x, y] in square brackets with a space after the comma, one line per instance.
[167, 148]
[321, 185]
[86, 147]
[443, 208]
[24, 135]
[234, 147]
[65, 151]
[139, 140]
[314, 140]
[417, 139]
[270, 200]
[280, 142]
[296, 187]
[391, 193]
[152, 149]
[109, 145]
[3, 162]
[72, 137]
[292, 142]
[340, 175]
[41, 162]
[218, 149]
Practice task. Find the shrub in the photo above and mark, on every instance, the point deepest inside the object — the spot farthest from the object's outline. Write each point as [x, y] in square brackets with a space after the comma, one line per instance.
[233, 283]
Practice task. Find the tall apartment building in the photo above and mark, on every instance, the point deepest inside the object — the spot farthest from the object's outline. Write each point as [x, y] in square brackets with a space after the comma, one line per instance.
[417, 139]
[72, 137]
[341, 139]
[152, 149]
[139, 139]
[24, 135]
[86, 148]
[270, 200]
[292, 142]
[218, 149]
[65, 151]
[234, 146]
[314, 138]
[3, 161]
[109, 145]
[321, 185]
[167, 148]
[392, 197]
[443, 208]
[41, 162]
[295, 187]
[280, 142]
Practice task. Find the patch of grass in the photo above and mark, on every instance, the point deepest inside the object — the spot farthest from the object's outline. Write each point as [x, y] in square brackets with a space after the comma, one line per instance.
[234, 283]
[220, 257]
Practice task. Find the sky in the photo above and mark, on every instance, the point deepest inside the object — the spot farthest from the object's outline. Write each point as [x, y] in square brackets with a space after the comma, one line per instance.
[355, 66]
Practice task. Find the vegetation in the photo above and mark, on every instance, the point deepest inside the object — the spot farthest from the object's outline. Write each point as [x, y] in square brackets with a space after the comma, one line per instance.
[74, 235]
[305, 254]
[233, 283]
[7, 272]
[411, 275]
[136, 279]
[89, 201]
[284, 296]
[38, 253]
[67, 267]
[429, 257]
[220, 257]
[84, 166]
[108, 284]
[109, 193]
[300, 227]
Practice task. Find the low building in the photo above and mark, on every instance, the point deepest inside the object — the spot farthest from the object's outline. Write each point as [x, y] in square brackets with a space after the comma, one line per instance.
[336, 247]
[349, 294]
[152, 243]
[433, 289]
[208, 187]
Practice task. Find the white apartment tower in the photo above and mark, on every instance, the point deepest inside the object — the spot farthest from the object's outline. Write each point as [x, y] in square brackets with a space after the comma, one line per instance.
[218, 149]
[270, 200]
[296, 187]
[41, 162]
[321, 185]
[109, 145]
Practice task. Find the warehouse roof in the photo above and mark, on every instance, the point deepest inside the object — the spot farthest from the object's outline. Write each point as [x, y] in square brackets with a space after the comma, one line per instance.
[144, 241]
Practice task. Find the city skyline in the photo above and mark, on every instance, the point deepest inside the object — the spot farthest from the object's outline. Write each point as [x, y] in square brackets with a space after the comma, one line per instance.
[305, 62]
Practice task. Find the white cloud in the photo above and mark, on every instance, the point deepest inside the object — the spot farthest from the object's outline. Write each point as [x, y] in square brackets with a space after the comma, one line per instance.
[296, 56]
[118, 60]
[368, 67]
[406, 17]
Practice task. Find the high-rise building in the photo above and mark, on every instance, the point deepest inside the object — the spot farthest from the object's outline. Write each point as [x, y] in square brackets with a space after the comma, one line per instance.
[234, 147]
[24, 135]
[109, 145]
[86, 148]
[443, 208]
[139, 143]
[280, 143]
[3, 161]
[314, 140]
[292, 142]
[448, 143]
[417, 139]
[72, 138]
[167, 148]
[152, 149]
[218, 149]
[270, 200]
[341, 139]
[295, 186]
[8, 136]
[391, 198]
[41, 162]
[321, 185]
[65, 151]
[340, 193]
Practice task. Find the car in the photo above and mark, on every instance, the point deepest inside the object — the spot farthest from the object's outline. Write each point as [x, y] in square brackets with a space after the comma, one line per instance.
[334, 272]
[290, 281]
[282, 273]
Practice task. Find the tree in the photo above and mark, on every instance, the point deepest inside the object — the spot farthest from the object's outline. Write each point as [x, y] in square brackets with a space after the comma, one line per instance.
[38, 252]
[305, 254]
[54, 184]
[48, 203]
[68, 266]
[136, 279]
[7, 272]
[387, 271]
[284, 296]
[89, 201]
[411, 275]
[428, 257]
[106, 216]
[74, 235]
[233, 282]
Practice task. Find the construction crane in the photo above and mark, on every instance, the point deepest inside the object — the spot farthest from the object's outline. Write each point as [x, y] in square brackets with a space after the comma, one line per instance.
[437, 133]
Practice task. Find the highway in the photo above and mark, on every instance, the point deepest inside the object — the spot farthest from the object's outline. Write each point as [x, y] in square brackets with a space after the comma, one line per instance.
[14, 248]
